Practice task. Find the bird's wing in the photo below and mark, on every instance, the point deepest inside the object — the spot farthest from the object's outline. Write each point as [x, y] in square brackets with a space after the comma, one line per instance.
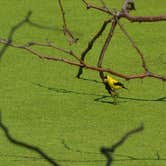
[118, 83]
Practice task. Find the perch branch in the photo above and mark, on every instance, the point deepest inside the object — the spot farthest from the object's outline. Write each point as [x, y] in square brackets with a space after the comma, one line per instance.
[81, 64]
[143, 18]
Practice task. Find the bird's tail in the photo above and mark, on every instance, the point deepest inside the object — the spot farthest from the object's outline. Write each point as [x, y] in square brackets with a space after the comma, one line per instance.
[124, 87]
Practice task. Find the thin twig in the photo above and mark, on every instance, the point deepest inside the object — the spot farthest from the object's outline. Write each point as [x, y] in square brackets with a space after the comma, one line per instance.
[134, 45]
[102, 9]
[67, 32]
[27, 46]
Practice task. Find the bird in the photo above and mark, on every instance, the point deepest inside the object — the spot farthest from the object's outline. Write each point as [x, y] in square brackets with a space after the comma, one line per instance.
[112, 84]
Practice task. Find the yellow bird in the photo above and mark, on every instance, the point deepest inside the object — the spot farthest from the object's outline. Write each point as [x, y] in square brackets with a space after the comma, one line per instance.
[112, 84]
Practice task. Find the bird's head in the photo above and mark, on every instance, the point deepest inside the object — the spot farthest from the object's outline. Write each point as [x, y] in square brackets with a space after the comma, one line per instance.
[106, 78]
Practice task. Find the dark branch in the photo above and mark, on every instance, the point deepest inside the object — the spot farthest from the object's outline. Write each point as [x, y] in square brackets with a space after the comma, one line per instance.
[105, 46]
[91, 43]
[81, 64]
[80, 61]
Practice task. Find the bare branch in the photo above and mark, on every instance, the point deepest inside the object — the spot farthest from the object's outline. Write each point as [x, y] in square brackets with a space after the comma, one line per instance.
[91, 43]
[28, 46]
[25, 145]
[103, 9]
[143, 18]
[135, 46]
[127, 6]
[105, 46]
[67, 32]
[82, 64]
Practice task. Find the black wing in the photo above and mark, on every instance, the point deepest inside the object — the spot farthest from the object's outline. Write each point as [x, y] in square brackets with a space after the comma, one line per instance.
[120, 84]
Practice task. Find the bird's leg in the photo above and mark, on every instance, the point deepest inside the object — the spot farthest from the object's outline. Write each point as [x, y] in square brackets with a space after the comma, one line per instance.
[115, 96]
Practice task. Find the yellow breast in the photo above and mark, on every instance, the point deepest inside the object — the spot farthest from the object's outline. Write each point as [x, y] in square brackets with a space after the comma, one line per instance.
[111, 82]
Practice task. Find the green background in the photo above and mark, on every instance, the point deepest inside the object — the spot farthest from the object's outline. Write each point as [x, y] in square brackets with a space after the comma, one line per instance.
[44, 104]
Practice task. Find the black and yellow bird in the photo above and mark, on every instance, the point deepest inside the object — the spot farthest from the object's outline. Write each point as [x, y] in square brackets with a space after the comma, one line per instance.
[112, 85]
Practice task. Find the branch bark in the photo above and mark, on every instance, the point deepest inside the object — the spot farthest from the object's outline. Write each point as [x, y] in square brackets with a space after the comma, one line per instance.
[143, 18]
[66, 31]
[102, 9]
[134, 46]
[80, 64]
[91, 43]
[12, 31]
[105, 46]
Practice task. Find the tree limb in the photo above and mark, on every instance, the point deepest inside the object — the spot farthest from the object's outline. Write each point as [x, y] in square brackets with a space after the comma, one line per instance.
[105, 46]
[91, 43]
[135, 46]
[143, 18]
[81, 64]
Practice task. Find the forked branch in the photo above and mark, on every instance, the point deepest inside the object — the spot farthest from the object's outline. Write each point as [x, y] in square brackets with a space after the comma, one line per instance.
[79, 59]
[91, 43]
[105, 46]
[78, 62]
[66, 31]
